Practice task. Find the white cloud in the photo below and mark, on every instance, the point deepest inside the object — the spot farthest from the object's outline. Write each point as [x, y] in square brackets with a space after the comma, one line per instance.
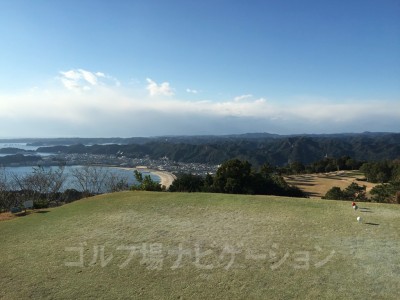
[72, 74]
[89, 77]
[111, 111]
[162, 89]
[261, 100]
[81, 80]
[190, 91]
[242, 97]
[70, 84]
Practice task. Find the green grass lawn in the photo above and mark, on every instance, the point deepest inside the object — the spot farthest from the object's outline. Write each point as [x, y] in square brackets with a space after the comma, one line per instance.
[202, 246]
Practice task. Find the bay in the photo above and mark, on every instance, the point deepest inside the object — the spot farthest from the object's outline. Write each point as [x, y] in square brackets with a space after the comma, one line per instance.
[22, 146]
[71, 183]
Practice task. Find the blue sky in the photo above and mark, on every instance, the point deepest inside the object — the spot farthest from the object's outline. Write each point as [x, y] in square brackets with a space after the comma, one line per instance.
[145, 68]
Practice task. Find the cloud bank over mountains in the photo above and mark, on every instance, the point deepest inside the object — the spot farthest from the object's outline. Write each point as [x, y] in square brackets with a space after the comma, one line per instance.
[86, 103]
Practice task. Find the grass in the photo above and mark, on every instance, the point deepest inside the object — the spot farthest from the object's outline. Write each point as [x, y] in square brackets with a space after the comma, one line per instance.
[316, 185]
[233, 247]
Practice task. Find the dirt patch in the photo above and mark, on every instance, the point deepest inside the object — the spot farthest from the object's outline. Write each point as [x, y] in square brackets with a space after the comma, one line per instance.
[9, 216]
[6, 216]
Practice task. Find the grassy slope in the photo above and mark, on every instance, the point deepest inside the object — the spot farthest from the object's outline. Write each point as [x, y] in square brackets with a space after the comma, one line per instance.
[365, 265]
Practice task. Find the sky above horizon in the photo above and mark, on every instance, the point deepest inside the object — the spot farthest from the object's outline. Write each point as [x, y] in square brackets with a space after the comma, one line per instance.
[151, 67]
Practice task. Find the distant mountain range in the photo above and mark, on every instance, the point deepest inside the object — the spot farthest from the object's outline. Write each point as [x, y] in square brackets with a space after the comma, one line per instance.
[191, 139]
[254, 147]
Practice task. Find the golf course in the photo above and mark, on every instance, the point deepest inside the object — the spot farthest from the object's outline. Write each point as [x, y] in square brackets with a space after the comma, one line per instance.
[316, 185]
[149, 245]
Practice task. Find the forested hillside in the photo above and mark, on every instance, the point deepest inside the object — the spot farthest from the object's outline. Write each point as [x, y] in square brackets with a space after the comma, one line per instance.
[257, 149]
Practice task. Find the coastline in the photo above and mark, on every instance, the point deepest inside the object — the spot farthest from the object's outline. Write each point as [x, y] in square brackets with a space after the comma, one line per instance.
[166, 178]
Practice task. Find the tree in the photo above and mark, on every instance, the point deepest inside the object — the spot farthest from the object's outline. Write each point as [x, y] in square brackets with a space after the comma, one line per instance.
[341, 163]
[335, 193]
[267, 169]
[145, 183]
[208, 183]
[56, 180]
[41, 186]
[236, 177]
[188, 183]
[381, 193]
[5, 197]
[352, 164]
[396, 171]
[355, 192]
[377, 172]
[138, 176]
[116, 183]
[331, 166]
[91, 180]
[233, 176]
[281, 188]
[386, 193]
[297, 167]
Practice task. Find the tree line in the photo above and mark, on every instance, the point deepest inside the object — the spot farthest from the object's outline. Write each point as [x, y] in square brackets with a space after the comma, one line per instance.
[325, 165]
[382, 171]
[386, 173]
[238, 177]
[382, 193]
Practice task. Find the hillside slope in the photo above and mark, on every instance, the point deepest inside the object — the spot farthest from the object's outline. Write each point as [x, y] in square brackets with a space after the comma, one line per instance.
[202, 246]
[258, 149]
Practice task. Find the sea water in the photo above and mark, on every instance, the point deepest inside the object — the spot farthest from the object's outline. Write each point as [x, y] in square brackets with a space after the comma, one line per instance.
[70, 182]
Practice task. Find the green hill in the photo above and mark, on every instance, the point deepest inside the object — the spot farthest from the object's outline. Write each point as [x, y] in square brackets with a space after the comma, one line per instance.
[202, 246]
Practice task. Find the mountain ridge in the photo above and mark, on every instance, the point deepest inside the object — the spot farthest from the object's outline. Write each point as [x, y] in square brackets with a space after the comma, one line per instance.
[257, 150]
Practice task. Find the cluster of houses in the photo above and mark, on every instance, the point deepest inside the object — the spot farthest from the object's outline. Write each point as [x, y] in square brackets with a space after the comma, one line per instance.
[163, 164]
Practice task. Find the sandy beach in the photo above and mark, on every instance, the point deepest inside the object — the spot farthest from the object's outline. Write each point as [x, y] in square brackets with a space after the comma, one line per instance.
[166, 178]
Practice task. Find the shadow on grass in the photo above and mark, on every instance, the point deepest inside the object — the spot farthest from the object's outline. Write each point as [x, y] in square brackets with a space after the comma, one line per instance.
[27, 213]
[303, 179]
[22, 214]
[312, 194]
[374, 224]
[305, 184]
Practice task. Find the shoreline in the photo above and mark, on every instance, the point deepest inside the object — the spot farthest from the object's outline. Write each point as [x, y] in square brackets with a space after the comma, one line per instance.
[166, 178]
